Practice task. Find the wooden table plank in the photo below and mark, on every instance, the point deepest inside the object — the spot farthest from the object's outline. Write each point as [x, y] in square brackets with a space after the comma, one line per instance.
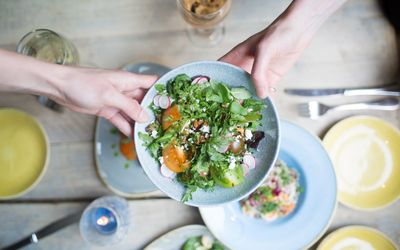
[150, 219]
[355, 48]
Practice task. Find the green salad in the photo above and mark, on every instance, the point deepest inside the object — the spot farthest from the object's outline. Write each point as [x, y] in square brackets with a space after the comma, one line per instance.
[204, 132]
[203, 242]
[277, 196]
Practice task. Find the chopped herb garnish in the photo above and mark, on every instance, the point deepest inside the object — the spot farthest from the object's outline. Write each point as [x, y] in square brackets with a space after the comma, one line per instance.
[114, 131]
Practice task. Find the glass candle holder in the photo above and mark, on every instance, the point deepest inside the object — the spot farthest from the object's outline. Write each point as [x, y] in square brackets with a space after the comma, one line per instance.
[105, 221]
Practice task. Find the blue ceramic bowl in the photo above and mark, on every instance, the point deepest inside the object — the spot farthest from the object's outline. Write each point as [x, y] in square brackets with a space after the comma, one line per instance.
[314, 210]
[265, 157]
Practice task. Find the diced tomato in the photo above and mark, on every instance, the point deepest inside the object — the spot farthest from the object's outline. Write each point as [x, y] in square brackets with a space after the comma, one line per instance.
[170, 116]
[127, 148]
[175, 158]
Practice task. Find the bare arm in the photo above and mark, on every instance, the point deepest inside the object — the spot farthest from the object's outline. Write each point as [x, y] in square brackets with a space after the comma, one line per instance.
[269, 54]
[114, 95]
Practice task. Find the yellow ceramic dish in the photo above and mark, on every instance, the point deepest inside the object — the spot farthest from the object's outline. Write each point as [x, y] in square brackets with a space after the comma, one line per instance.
[365, 152]
[24, 153]
[356, 237]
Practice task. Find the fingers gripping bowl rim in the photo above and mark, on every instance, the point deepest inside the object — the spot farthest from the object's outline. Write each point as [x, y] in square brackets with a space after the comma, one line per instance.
[268, 148]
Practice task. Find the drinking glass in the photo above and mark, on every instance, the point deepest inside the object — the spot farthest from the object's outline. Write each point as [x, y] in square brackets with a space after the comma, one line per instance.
[204, 19]
[51, 47]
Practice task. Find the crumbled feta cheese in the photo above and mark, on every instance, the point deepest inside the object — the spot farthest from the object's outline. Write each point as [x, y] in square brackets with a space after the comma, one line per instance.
[154, 133]
[197, 101]
[204, 109]
[205, 129]
[250, 109]
[248, 134]
[232, 162]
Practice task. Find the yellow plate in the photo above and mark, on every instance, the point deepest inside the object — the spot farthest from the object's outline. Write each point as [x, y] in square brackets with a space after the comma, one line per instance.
[356, 237]
[24, 151]
[366, 155]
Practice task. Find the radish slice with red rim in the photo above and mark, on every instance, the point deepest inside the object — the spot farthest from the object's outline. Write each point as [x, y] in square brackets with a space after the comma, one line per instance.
[200, 79]
[166, 172]
[249, 160]
[156, 100]
[164, 102]
[246, 169]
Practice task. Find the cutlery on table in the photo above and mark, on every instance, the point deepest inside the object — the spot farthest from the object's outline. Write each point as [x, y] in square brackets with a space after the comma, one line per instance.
[45, 231]
[314, 109]
[389, 90]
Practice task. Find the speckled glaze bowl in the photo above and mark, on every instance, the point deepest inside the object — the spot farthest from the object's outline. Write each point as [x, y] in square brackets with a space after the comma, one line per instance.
[265, 157]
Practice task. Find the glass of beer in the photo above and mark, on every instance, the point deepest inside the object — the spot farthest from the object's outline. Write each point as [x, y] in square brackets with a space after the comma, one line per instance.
[51, 47]
[204, 19]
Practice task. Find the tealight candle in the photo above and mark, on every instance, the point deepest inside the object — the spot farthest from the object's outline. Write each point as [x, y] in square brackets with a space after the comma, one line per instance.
[104, 220]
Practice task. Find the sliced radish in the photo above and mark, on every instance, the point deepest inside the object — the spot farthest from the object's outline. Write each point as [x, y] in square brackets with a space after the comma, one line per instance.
[246, 169]
[166, 172]
[200, 79]
[156, 100]
[164, 102]
[249, 160]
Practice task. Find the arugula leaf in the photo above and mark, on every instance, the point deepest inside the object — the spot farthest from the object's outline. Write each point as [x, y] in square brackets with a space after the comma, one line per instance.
[222, 91]
[188, 193]
[147, 139]
[236, 108]
[160, 88]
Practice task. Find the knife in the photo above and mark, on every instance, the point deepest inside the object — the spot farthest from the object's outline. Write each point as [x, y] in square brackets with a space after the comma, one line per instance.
[45, 231]
[389, 90]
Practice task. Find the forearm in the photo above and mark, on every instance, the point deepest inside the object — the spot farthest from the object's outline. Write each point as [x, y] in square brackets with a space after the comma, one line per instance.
[307, 16]
[22, 74]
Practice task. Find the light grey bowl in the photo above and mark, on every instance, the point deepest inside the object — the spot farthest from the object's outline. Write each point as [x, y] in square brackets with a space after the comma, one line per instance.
[265, 157]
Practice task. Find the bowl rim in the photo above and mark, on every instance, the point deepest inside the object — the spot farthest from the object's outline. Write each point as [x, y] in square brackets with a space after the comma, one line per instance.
[104, 180]
[47, 157]
[329, 133]
[356, 227]
[256, 184]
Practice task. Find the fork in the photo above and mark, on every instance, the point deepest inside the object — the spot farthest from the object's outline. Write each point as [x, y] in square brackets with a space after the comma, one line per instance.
[314, 109]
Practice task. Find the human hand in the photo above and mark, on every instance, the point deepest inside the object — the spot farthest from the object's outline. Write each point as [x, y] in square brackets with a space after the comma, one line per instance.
[114, 95]
[268, 55]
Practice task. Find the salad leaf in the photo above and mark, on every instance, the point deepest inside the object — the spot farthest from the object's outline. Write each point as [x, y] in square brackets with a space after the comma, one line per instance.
[236, 108]
[208, 119]
[240, 93]
[160, 88]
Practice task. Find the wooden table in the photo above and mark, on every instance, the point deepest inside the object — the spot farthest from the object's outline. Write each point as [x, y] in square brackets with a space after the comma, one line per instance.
[356, 47]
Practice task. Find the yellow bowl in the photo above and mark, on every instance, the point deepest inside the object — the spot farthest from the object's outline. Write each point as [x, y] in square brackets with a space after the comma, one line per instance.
[24, 153]
[356, 237]
[365, 152]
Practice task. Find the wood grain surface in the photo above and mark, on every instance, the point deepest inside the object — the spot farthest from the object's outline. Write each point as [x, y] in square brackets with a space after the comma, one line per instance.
[356, 47]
